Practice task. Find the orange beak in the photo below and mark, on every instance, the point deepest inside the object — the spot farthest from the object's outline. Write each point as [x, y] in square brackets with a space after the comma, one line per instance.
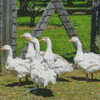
[22, 35]
[71, 40]
[2, 48]
[29, 39]
[41, 39]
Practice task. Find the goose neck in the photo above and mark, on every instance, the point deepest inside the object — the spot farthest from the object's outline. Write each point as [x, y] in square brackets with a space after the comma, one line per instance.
[49, 46]
[79, 47]
[10, 55]
[30, 46]
[37, 46]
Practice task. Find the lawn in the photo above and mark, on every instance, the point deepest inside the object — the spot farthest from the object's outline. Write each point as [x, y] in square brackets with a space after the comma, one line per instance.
[71, 86]
[58, 34]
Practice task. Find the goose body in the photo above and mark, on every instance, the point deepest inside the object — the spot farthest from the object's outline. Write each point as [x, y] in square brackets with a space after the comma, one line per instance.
[30, 54]
[16, 66]
[40, 72]
[89, 62]
[43, 76]
[57, 63]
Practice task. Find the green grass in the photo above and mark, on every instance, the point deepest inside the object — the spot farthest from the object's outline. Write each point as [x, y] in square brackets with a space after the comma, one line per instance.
[55, 20]
[23, 21]
[26, 20]
[59, 36]
[71, 86]
[79, 2]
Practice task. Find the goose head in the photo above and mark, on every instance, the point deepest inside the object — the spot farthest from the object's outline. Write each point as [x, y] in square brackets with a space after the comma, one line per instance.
[26, 35]
[45, 38]
[6, 47]
[78, 43]
[32, 40]
[74, 39]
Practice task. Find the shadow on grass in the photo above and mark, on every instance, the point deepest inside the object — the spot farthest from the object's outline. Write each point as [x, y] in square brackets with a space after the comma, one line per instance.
[71, 53]
[42, 92]
[69, 59]
[83, 79]
[63, 80]
[22, 84]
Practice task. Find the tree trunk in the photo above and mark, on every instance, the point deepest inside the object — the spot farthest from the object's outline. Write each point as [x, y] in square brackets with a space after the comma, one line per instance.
[69, 2]
[23, 8]
[32, 14]
[95, 26]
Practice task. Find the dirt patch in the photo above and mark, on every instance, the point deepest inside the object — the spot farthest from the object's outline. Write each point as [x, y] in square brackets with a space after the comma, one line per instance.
[49, 27]
[53, 27]
[77, 13]
[25, 28]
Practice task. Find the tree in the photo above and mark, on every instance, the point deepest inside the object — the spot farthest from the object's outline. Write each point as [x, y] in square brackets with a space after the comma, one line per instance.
[23, 7]
[69, 2]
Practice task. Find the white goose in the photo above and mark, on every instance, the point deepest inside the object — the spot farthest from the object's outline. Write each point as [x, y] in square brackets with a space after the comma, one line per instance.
[16, 66]
[89, 62]
[57, 63]
[40, 72]
[30, 52]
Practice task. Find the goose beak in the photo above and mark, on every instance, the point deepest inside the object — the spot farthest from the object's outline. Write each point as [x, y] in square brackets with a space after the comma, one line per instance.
[41, 39]
[71, 40]
[22, 35]
[2, 48]
[29, 39]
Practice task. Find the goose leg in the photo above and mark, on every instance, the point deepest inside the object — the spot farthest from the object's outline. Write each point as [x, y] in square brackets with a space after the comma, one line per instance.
[57, 78]
[34, 89]
[91, 75]
[46, 89]
[26, 78]
[37, 86]
[37, 89]
[86, 77]
[19, 81]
